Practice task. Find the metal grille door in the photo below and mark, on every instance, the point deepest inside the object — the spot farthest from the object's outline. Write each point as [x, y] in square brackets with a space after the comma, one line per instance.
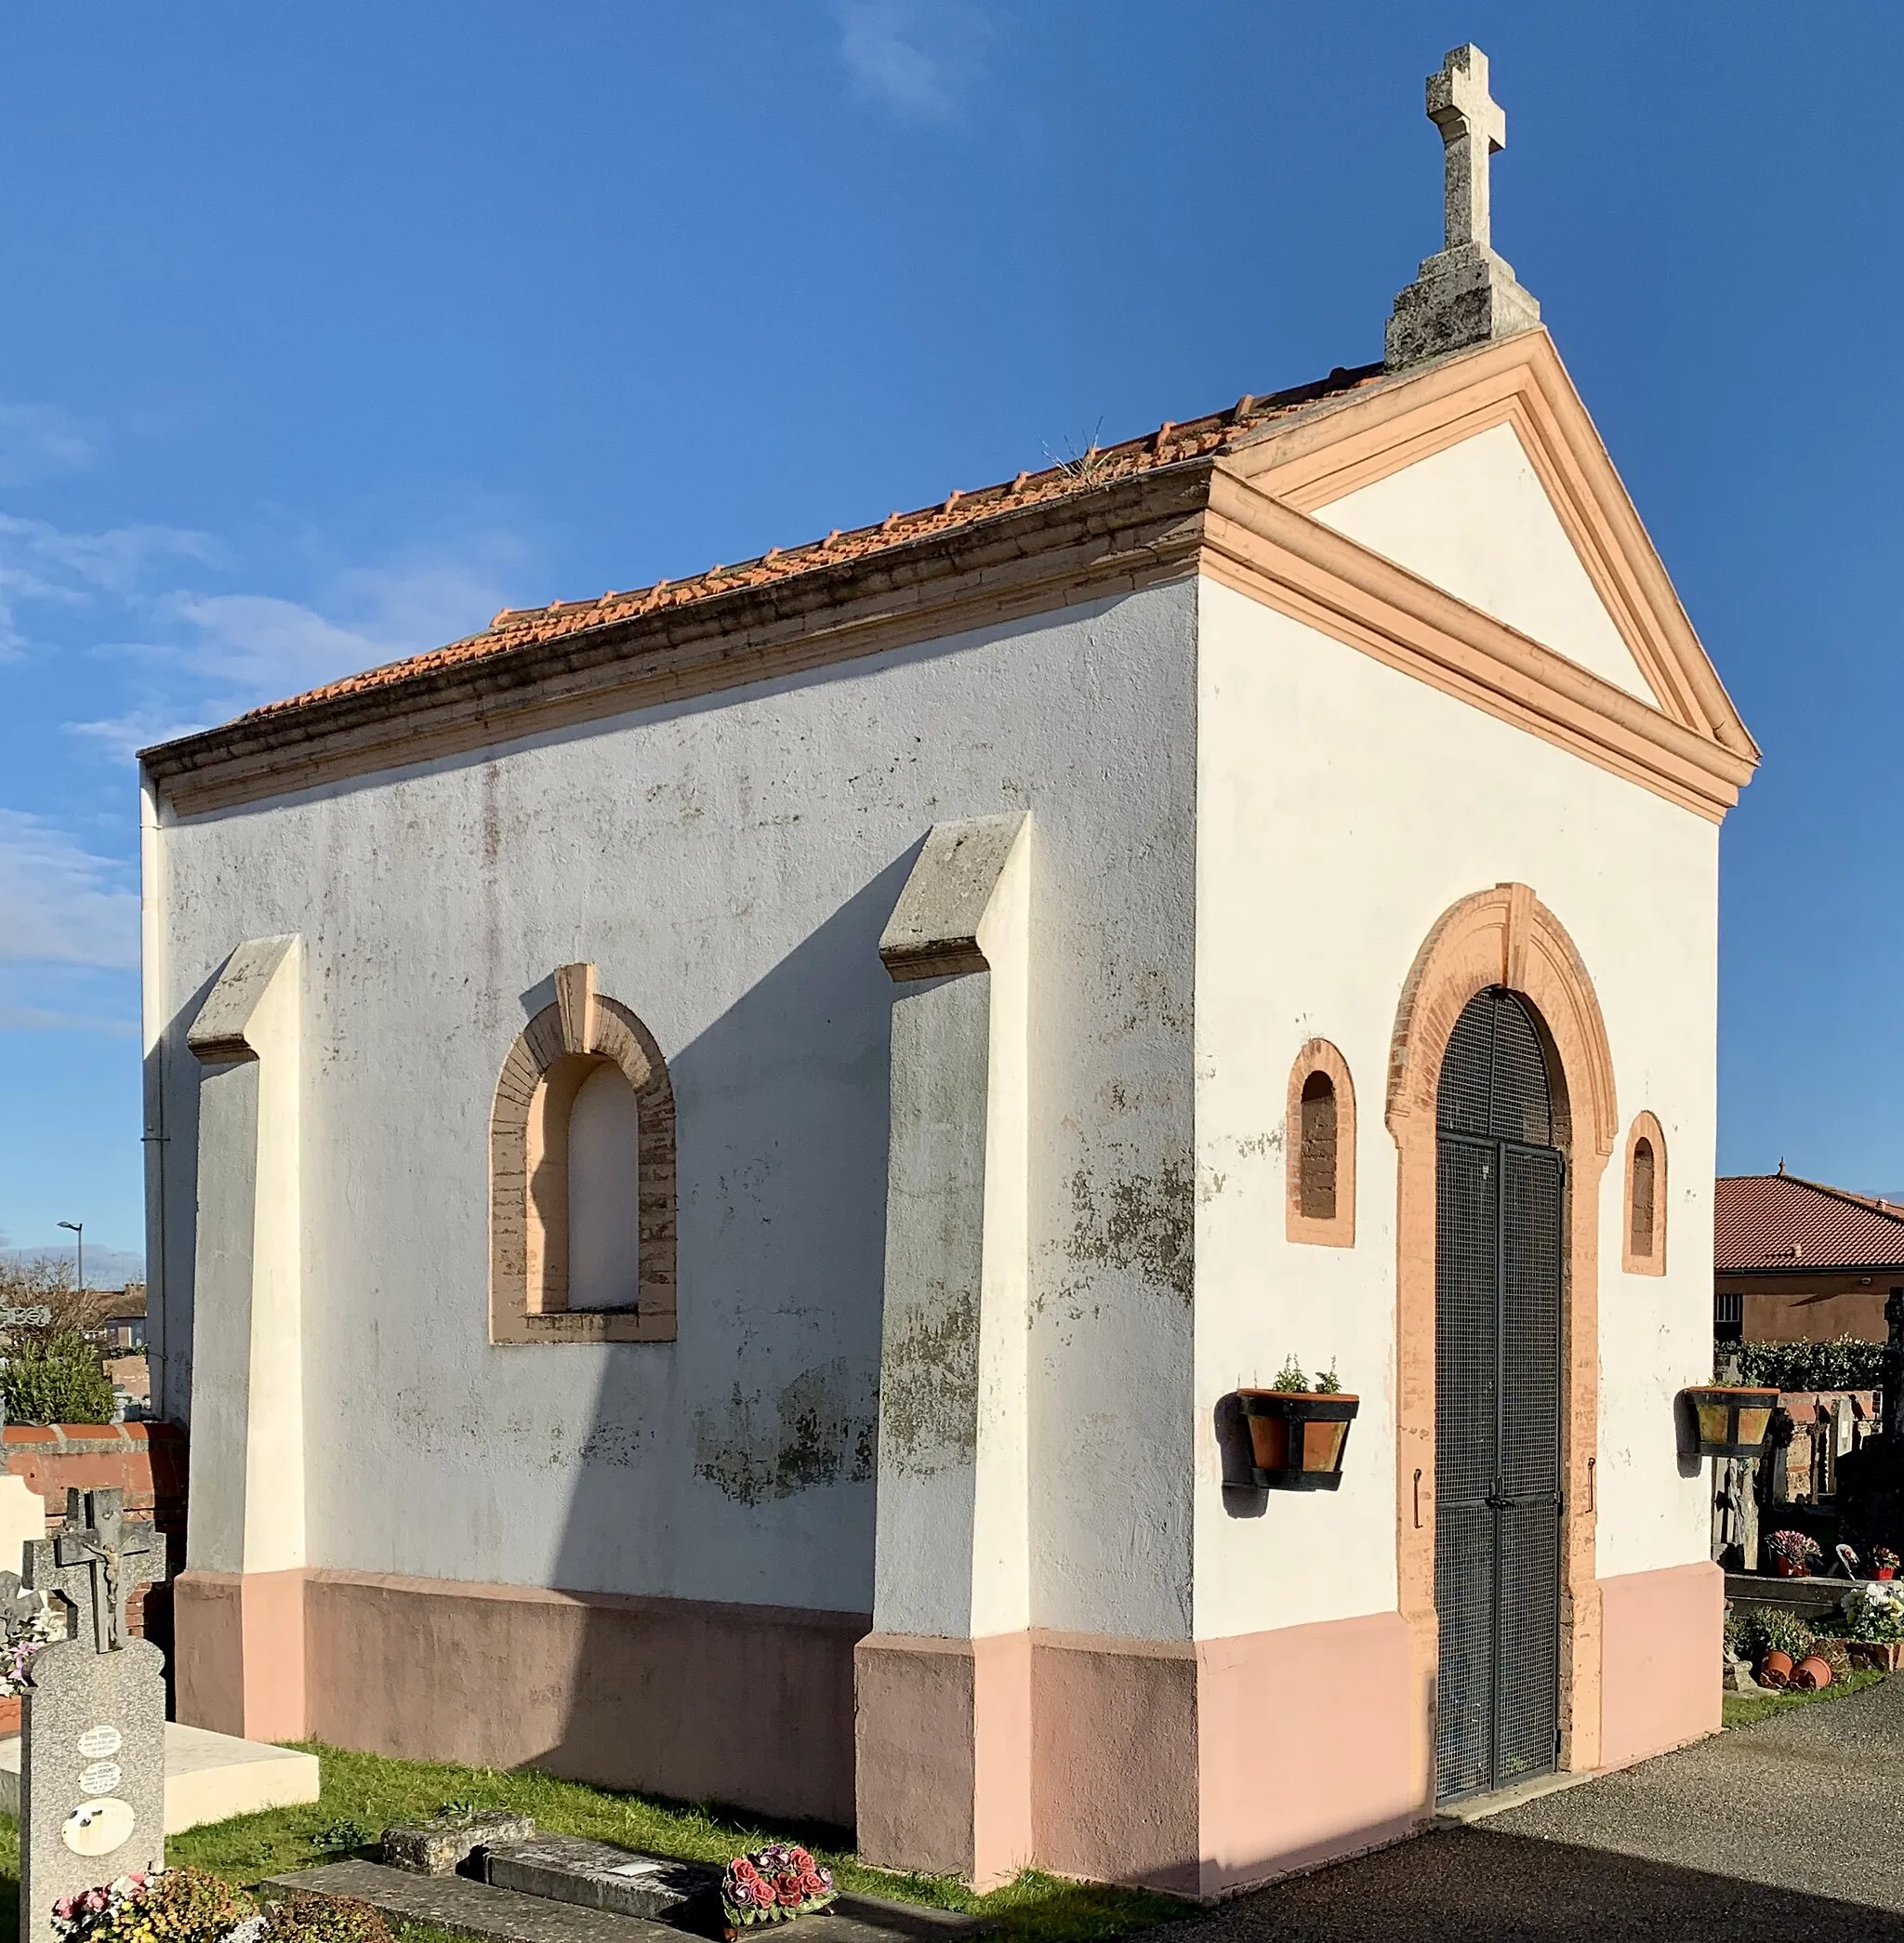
[1498, 1283]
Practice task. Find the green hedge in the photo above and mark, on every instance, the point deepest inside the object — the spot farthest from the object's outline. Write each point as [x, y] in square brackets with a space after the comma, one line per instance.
[60, 1382]
[1847, 1364]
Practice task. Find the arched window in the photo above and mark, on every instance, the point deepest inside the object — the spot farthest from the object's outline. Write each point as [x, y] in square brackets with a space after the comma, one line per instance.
[1645, 1252]
[582, 1177]
[1320, 1141]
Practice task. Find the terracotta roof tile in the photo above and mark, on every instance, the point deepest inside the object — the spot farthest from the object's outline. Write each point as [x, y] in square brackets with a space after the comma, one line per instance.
[1170, 445]
[1779, 1221]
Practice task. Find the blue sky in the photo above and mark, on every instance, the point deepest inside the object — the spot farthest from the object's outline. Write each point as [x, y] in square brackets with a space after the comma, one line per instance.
[328, 331]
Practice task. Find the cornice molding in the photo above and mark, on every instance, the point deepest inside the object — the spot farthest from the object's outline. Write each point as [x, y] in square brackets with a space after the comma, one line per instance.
[1243, 518]
[1520, 382]
[1126, 536]
[1292, 564]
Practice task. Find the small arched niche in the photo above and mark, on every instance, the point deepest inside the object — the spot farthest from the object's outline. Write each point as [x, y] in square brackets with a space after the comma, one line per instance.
[1644, 1234]
[582, 1166]
[1320, 1143]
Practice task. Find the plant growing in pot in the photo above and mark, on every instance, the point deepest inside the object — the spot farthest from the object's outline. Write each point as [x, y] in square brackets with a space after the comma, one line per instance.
[1792, 1554]
[1884, 1562]
[1298, 1432]
[1874, 1624]
[1778, 1641]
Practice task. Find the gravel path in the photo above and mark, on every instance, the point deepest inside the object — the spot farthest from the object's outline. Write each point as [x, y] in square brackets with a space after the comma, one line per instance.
[1793, 1827]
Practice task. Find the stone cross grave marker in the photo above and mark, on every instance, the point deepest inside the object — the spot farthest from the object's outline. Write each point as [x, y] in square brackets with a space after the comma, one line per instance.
[92, 1771]
[1473, 128]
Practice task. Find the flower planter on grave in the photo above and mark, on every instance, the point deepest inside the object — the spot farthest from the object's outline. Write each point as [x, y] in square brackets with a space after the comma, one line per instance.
[1775, 1670]
[9, 1714]
[1884, 1654]
[1297, 1438]
[1730, 1420]
[1810, 1674]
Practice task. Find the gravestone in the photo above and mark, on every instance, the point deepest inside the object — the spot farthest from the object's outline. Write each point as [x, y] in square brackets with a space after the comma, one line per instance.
[92, 1782]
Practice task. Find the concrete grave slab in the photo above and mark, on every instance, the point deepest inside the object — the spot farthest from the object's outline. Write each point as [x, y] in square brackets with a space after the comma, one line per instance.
[598, 1876]
[208, 1776]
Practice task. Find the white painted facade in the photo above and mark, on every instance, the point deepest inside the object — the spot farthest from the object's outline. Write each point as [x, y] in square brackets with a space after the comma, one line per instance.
[728, 866]
[1245, 829]
[1343, 807]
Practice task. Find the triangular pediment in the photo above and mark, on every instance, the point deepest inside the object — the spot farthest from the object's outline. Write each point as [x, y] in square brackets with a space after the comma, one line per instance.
[1476, 520]
[1483, 476]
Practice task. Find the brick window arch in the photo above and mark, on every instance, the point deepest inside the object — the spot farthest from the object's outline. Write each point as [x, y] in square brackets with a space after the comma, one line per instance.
[1643, 1245]
[567, 1048]
[1320, 1144]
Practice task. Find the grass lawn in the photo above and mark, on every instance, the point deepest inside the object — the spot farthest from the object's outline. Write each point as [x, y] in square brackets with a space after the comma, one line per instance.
[364, 1793]
[1743, 1709]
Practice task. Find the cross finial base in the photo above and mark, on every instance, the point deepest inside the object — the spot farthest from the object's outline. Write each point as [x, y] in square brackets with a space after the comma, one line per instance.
[1463, 296]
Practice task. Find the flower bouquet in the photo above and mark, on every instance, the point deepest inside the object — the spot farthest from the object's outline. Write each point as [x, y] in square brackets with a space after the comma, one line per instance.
[1792, 1554]
[27, 1621]
[1874, 1612]
[773, 1885]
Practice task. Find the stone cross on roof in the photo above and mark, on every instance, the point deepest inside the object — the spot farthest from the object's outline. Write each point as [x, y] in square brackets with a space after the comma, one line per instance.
[95, 1562]
[1473, 128]
[1465, 294]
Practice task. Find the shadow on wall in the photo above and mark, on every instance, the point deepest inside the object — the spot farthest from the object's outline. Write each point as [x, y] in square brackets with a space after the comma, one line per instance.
[766, 1448]
[175, 1248]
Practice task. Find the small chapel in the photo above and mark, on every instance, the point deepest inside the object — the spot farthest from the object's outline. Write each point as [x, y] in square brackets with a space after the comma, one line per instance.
[729, 1164]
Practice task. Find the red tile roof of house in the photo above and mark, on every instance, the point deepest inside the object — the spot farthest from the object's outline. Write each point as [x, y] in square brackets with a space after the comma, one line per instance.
[1779, 1221]
[1170, 445]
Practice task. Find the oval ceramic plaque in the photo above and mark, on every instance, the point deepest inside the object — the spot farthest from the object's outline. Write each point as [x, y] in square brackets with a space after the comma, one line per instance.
[102, 1778]
[97, 1828]
[97, 1743]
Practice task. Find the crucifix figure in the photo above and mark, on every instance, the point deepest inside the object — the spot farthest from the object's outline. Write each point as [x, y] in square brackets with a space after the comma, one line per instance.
[1473, 128]
[95, 1562]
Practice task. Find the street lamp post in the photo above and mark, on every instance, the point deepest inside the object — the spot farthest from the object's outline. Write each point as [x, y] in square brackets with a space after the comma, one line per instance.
[78, 1251]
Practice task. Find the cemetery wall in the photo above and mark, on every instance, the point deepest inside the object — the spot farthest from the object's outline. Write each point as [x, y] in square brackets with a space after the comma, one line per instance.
[146, 1461]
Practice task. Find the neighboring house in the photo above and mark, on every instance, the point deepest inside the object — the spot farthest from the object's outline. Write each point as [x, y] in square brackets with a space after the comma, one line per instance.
[122, 1315]
[723, 1151]
[1794, 1260]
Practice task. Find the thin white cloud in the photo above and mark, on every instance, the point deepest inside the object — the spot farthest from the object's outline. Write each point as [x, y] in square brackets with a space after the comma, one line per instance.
[39, 1018]
[917, 61]
[58, 902]
[227, 653]
[39, 440]
[43, 564]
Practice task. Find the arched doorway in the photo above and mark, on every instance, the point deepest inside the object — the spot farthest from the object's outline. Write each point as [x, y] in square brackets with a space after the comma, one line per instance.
[1501, 1204]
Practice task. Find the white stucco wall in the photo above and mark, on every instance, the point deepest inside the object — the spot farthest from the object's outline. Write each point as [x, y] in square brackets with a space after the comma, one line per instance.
[1342, 807]
[1476, 521]
[728, 866]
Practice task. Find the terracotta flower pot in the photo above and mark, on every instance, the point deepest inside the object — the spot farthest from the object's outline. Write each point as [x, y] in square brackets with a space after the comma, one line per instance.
[9, 1714]
[1810, 1673]
[1884, 1572]
[1297, 1438]
[1775, 1670]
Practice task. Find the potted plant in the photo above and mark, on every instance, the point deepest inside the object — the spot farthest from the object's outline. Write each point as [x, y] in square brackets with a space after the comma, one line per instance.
[1298, 1433]
[1874, 1624]
[1775, 1641]
[1730, 1420]
[1884, 1562]
[1792, 1554]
